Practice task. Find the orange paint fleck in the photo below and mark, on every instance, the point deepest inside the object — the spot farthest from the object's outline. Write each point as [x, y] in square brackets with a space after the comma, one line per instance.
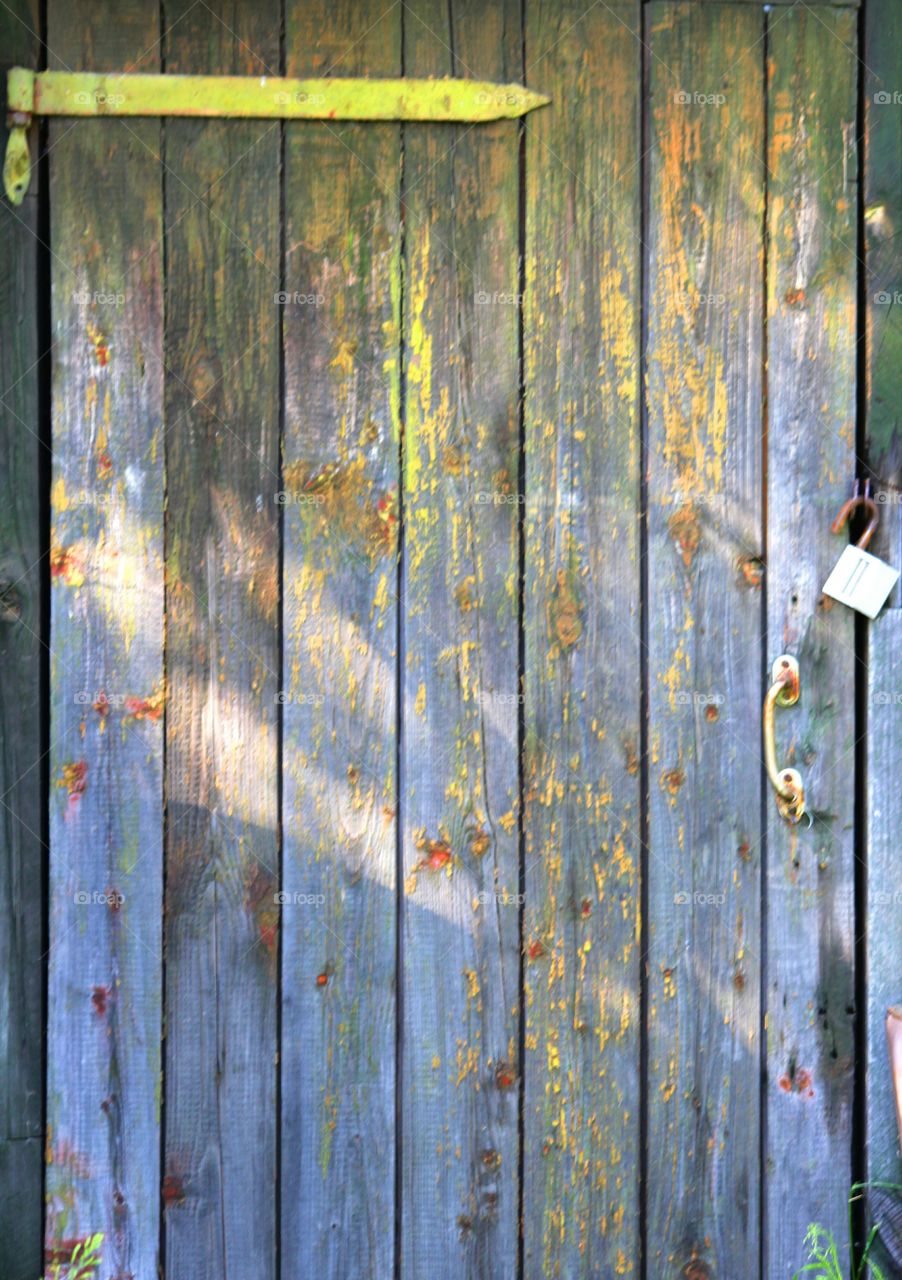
[535, 950]
[74, 778]
[711, 713]
[66, 563]
[104, 466]
[322, 979]
[672, 780]
[479, 842]
[145, 708]
[100, 345]
[686, 532]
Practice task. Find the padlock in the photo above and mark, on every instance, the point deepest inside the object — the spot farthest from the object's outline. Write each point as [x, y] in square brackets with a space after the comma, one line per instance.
[860, 580]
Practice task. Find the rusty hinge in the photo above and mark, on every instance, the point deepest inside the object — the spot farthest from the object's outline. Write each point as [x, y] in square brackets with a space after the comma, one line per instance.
[87, 93]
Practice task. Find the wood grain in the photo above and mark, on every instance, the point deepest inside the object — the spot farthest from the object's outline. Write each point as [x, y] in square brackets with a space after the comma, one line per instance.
[882, 73]
[106, 565]
[222, 420]
[459, 782]
[704, 391]
[884, 890]
[811, 306]
[22, 871]
[883, 296]
[582, 645]
[341, 473]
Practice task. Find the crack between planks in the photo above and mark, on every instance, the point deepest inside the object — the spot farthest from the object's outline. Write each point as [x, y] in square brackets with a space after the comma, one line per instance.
[858, 1153]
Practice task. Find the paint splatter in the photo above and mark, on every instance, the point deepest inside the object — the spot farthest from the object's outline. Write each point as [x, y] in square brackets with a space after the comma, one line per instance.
[146, 708]
[74, 780]
[100, 345]
[66, 563]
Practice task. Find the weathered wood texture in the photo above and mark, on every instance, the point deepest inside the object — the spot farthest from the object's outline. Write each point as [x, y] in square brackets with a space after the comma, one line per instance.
[21, 845]
[884, 889]
[882, 71]
[222, 420]
[883, 426]
[106, 565]
[340, 479]
[582, 644]
[704, 393]
[811, 306]
[459, 778]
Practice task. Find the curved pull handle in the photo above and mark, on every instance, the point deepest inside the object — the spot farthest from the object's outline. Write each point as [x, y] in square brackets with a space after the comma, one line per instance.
[858, 500]
[787, 783]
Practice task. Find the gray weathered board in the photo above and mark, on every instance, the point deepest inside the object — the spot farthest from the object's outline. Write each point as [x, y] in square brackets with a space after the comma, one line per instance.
[481, 472]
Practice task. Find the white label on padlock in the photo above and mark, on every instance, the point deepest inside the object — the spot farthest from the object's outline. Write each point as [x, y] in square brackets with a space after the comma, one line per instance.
[861, 581]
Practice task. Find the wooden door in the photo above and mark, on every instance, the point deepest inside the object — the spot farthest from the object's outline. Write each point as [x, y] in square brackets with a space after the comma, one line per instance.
[427, 505]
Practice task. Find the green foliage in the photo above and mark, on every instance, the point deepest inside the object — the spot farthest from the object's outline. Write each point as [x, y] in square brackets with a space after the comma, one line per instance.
[823, 1262]
[83, 1262]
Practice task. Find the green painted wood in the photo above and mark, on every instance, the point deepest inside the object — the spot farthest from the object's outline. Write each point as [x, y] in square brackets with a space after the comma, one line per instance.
[21, 846]
[582, 644]
[340, 479]
[106, 566]
[882, 73]
[884, 890]
[811, 304]
[222, 417]
[460, 949]
[704, 393]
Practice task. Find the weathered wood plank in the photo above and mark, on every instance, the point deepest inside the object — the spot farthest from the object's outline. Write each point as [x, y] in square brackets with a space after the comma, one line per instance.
[222, 415]
[884, 892]
[883, 426]
[21, 769]
[582, 644]
[341, 473]
[812, 183]
[106, 802]
[459, 775]
[882, 71]
[705, 537]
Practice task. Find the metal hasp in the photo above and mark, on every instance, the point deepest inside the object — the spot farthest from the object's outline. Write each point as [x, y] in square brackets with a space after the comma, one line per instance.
[86, 93]
[787, 783]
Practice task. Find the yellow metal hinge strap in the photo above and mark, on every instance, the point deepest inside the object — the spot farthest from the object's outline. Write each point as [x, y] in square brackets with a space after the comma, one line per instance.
[88, 93]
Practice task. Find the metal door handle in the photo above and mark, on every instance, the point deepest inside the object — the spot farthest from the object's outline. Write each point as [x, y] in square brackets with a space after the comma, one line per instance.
[787, 783]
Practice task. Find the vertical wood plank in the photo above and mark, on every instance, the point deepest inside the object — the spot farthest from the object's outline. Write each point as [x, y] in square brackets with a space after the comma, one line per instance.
[811, 303]
[882, 72]
[884, 892]
[106, 811]
[222, 415]
[459, 783]
[340, 502]
[704, 390]
[21, 768]
[582, 644]
[883, 298]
